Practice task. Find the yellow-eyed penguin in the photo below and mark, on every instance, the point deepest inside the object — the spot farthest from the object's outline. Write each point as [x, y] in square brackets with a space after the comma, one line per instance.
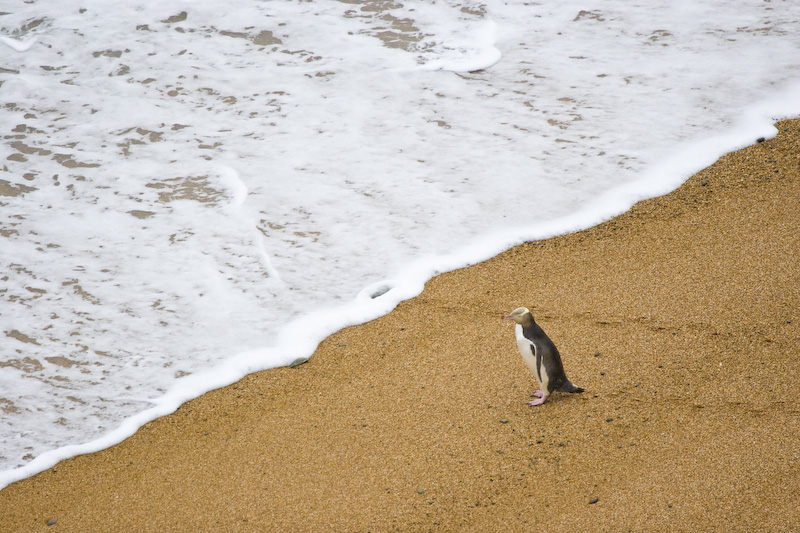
[541, 356]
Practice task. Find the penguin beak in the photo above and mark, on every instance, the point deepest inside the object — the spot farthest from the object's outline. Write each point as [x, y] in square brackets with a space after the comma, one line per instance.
[508, 317]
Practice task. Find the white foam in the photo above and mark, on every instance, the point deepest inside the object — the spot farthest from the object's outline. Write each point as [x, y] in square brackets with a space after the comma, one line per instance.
[190, 199]
[16, 44]
[477, 52]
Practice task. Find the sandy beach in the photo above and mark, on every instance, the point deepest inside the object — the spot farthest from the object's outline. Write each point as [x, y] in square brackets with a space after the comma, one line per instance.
[680, 318]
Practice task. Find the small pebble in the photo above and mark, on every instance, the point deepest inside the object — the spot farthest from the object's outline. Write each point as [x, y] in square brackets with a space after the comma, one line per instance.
[380, 291]
[51, 522]
[593, 501]
[297, 362]
[609, 419]
[504, 421]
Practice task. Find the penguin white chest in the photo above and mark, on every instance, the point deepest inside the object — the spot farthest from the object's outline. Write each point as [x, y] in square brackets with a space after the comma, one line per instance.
[527, 350]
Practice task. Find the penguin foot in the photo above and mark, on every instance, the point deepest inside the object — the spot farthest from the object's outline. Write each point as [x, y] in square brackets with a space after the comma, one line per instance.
[537, 401]
[538, 394]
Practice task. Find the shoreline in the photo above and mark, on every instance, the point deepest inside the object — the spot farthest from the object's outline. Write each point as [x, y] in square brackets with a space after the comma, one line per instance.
[680, 318]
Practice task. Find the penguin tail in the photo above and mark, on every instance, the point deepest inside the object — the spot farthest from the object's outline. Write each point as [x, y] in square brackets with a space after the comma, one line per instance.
[570, 387]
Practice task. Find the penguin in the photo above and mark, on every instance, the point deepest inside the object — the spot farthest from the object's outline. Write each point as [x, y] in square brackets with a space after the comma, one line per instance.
[541, 356]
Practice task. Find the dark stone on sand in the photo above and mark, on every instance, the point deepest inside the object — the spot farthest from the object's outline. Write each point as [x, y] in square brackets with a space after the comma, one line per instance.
[299, 361]
[51, 522]
[593, 501]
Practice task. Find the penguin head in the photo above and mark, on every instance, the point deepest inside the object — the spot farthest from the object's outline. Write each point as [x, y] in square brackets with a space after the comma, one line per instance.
[518, 315]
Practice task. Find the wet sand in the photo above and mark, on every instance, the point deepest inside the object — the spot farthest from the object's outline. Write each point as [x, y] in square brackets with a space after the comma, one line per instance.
[680, 318]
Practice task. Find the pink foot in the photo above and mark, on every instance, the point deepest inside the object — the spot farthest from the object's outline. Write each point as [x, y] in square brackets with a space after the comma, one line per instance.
[538, 394]
[538, 401]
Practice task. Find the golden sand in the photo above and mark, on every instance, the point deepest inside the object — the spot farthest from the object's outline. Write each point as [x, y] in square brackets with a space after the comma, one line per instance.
[680, 318]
